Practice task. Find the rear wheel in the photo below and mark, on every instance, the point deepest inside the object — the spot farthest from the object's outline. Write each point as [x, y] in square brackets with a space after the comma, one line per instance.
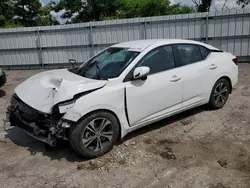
[220, 93]
[95, 135]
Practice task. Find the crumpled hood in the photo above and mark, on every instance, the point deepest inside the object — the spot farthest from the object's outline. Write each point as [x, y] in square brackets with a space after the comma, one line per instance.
[42, 91]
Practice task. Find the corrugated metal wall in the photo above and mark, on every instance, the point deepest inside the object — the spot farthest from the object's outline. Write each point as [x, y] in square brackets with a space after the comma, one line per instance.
[54, 45]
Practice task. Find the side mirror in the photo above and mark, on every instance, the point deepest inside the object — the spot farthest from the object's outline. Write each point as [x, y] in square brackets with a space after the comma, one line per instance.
[141, 73]
[72, 62]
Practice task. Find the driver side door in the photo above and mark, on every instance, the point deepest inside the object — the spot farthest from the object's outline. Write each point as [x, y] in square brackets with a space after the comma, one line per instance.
[160, 94]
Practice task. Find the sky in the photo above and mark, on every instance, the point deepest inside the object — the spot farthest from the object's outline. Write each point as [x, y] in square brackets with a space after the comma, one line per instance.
[44, 1]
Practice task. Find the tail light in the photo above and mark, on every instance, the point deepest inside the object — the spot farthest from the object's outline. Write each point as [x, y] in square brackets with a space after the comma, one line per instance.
[236, 61]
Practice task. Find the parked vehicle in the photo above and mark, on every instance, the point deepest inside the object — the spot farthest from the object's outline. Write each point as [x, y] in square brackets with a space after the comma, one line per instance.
[123, 88]
[2, 77]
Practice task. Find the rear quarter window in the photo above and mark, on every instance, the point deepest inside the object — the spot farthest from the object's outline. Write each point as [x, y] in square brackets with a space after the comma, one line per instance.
[188, 53]
[204, 52]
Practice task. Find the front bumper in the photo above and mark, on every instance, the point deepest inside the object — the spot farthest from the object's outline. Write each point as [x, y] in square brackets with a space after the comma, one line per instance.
[30, 128]
[39, 126]
[3, 79]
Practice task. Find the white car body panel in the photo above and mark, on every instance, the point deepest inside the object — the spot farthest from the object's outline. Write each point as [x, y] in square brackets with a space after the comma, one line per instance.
[197, 82]
[153, 98]
[135, 103]
[42, 91]
[109, 98]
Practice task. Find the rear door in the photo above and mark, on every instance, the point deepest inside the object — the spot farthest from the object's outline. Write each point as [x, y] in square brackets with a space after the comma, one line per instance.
[197, 72]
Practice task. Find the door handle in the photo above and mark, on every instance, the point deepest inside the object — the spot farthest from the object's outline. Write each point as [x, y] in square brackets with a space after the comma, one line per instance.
[213, 66]
[175, 79]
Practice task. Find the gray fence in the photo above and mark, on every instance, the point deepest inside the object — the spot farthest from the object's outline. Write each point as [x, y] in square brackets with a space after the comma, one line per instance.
[54, 45]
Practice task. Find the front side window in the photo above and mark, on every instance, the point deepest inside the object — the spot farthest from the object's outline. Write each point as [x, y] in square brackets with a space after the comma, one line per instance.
[188, 54]
[159, 59]
[108, 64]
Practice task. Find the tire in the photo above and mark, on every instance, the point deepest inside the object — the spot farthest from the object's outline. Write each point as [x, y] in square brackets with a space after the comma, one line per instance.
[3, 79]
[89, 139]
[219, 94]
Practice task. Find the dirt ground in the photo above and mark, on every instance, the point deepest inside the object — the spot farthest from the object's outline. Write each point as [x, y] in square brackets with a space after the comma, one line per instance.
[198, 148]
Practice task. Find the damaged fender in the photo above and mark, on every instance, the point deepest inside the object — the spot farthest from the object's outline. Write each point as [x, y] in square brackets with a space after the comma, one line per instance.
[89, 103]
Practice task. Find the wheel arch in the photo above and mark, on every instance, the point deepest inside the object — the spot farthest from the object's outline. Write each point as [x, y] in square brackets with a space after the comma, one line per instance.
[102, 110]
[229, 80]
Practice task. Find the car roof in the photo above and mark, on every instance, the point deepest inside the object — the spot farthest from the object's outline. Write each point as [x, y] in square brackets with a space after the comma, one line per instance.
[140, 45]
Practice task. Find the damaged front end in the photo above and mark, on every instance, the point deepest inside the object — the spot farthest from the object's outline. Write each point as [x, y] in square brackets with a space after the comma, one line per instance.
[48, 128]
[41, 101]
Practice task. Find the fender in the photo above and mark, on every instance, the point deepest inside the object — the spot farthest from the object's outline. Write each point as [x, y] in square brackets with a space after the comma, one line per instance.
[89, 103]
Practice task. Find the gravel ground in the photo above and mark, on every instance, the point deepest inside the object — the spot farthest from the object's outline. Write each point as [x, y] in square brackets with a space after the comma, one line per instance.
[198, 148]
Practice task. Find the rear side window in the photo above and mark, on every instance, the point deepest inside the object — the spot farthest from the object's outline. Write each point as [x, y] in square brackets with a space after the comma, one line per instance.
[188, 53]
[204, 52]
[159, 59]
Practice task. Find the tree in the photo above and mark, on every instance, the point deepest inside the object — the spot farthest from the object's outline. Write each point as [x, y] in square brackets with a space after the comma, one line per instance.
[11, 24]
[95, 10]
[143, 8]
[82, 11]
[19, 13]
[26, 11]
[44, 17]
[202, 5]
[181, 9]
[69, 6]
[6, 12]
[243, 3]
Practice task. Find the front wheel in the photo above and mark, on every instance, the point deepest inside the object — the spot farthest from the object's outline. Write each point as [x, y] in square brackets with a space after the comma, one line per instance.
[95, 135]
[220, 93]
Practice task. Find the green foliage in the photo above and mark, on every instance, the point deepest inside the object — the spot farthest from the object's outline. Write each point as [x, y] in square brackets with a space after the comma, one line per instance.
[89, 10]
[143, 8]
[44, 17]
[27, 11]
[12, 25]
[243, 3]
[6, 11]
[182, 9]
[95, 10]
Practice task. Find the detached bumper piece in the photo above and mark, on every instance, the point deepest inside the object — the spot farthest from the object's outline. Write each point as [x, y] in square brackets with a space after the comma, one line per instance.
[36, 124]
[3, 79]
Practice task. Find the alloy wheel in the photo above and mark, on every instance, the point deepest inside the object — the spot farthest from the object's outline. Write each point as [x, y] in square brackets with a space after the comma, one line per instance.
[97, 134]
[220, 93]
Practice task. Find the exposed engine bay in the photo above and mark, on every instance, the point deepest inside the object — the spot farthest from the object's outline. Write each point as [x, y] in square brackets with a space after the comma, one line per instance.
[48, 128]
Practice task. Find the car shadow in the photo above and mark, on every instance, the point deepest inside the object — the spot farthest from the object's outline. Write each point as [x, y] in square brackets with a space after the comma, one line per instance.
[64, 150]
[164, 122]
[2, 93]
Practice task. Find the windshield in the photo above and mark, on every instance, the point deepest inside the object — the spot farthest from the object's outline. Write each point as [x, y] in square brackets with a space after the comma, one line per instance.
[108, 64]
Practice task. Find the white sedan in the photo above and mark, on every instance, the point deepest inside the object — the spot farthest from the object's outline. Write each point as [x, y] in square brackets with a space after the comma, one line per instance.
[125, 87]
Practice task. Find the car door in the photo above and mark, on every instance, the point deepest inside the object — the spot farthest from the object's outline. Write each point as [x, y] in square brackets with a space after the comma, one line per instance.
[196, 70]
[160, 93]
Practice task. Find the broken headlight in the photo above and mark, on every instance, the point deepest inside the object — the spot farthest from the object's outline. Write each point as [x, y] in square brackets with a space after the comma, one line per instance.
[65, 106]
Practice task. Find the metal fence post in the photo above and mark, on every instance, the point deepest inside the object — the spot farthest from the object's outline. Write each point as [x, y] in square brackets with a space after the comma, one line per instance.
[91, 42]
[145, 29]
[207, 24]
[39, 48]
